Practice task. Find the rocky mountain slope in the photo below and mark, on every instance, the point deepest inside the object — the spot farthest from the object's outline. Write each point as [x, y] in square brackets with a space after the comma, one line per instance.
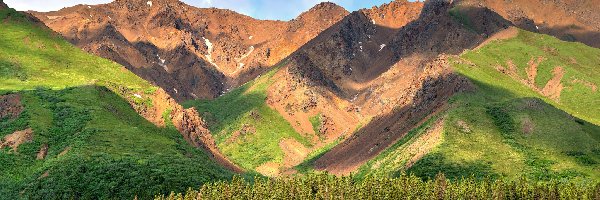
[568, 20]
[193, 53]
[76, 125]
[332, 90]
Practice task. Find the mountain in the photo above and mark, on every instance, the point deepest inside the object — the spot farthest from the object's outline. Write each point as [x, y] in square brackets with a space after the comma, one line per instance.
[565, 19]
[441, 89]
[365, 84]
[76, 125]
[193, 53]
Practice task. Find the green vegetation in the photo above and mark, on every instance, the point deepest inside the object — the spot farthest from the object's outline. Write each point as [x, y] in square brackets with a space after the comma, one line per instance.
[32, 56]
[506, 130]
[256, 128]
[403, 187]
[394, 158]
[316, 122]
[97, 145]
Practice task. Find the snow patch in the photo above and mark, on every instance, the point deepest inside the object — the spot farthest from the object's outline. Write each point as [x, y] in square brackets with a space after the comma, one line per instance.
[89, 7]
[250, 37]
[381, 47]
[536, 27]
[354, 99]
[162, 63]
[361, 48]
[149, 3]
[209, 53]
[373, 20]
[138, 96]
[175, 89]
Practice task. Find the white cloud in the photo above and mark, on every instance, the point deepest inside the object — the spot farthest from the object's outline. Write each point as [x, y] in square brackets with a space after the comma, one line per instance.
[261, 9]
[49, 5]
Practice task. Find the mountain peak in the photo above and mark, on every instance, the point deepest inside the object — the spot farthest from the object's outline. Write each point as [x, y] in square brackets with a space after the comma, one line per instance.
[325, 6]
[324, 9]
[149, 3]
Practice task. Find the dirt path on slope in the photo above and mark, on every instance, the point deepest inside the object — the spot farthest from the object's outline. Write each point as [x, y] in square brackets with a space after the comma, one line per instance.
[17, 138]
[533, 69]
[554, 87]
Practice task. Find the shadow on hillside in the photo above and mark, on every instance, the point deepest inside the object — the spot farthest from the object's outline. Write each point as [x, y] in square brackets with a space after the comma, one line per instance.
[348, 53]
[181, 73]
[435, 32]
[569, 33]
[384, 131]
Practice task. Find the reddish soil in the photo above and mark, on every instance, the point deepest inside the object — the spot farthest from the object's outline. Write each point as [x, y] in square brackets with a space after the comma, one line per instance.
[588, 84]
[190, 52]
[554, 87]
[570, 20]
[187, 121]
[42, 152]
[533, 69]
[10, 106]
[17, 138]
[270, 169]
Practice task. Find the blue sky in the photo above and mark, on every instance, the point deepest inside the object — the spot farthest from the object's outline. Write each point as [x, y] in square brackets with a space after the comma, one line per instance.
[261, 9]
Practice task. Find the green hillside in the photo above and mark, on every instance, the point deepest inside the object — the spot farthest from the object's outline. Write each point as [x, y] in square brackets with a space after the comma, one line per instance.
[245, 106]
[75, 103]
[504, 128]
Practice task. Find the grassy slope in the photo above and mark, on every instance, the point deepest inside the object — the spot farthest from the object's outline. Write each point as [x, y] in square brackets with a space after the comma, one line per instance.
[230, 112]
[112, 151]
[497, 145]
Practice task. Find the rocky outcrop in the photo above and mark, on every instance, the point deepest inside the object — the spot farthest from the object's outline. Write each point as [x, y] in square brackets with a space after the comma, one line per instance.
[193, 53]
[569, 20]
[382, 63]
[17, 138]
[187, 121]
[10, 106]
[427, 95]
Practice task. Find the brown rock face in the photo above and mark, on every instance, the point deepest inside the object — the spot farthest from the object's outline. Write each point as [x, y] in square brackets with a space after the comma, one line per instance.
[10, 106]
[382, 63]
[17, 138]
[187, 122]
[190, 52]
[569, 20]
